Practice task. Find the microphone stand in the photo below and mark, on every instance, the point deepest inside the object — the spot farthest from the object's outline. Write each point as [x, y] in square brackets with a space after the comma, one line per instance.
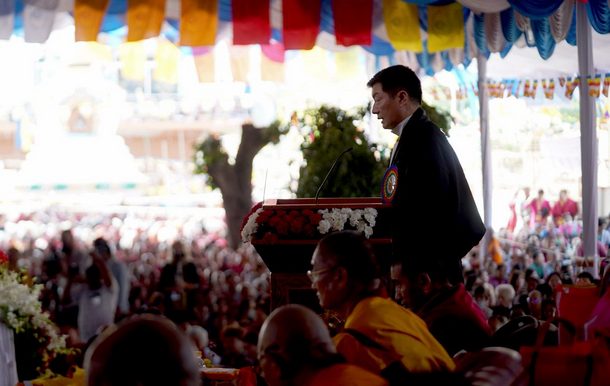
[334, 165]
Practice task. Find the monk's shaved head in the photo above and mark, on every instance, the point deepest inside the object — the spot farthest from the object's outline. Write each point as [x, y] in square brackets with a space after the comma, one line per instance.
[142, 350]
[294, 340]
[294, 328]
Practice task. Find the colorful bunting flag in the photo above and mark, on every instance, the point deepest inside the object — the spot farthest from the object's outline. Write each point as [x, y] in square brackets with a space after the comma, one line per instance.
[88, 52]
[447, 92]
[250, 22]
[204, 63]
[548, 87]
[198, 22]
[510, 85]
[445, 27]
[526, 88]
[460, 94]
[490, 88]
[571, 84]
[88, 16]
[272, 62]
[518, 87]
[301, 23]
[272, 71]
[594, 85]
[144, 19]
[7, 18]
[534, 89]
[606, 84]
[167, 59]
[353, 22]
[402, 23]
[240, 62]
[274, 51]
[38, 20]
[133, 61]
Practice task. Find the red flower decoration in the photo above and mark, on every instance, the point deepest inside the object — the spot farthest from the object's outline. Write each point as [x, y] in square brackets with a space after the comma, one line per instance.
[3, 257]
[246, 217]
[273, 225]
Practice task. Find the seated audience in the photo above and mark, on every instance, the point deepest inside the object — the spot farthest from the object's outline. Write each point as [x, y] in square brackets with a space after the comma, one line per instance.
[295, 348]
[584, 279]
[234, 354]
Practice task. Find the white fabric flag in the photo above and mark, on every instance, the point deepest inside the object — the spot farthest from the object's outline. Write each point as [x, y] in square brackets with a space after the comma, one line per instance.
[38, 19]
[7, 18]
[561, 20]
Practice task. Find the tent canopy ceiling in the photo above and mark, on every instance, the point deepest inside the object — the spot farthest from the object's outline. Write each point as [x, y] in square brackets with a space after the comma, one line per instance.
[526, 63]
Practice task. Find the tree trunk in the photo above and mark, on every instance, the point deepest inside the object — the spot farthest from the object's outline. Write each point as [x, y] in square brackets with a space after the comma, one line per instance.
[235, 182]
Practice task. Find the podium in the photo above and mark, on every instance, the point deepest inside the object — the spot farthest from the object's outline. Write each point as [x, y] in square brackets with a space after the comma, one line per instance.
[287, 253]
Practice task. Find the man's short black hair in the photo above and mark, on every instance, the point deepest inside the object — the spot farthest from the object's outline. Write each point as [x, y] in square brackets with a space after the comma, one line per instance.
[396, 78]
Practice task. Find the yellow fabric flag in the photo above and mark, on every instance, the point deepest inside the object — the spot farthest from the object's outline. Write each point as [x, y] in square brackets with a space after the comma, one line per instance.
[445, 27]
[144, 19]
[88, 16]
[205, 67]
[167, 58]
[198, 22]
[133, 61]
[91, 52]
[402, 23]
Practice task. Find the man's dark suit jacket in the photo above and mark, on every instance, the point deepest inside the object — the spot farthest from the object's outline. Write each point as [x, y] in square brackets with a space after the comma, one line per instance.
[436, 221]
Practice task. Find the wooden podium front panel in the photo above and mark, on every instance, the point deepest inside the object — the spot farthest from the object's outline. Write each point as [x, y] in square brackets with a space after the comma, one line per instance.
[289, 259]
[293, 288]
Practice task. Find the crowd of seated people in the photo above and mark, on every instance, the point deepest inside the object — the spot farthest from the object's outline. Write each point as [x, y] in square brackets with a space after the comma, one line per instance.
[99, 270]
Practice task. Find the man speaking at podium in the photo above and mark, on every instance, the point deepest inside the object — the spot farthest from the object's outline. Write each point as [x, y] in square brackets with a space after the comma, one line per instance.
[435, 222]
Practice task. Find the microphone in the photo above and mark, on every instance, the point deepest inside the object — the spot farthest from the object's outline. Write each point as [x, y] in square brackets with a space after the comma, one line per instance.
[334, 165]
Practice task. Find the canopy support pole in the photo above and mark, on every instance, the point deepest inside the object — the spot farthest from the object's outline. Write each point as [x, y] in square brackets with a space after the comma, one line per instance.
[485, 153]
[588, 138]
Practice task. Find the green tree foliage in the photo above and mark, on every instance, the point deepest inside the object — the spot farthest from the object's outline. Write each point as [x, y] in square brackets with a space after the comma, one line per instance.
[358, 173]
[441, 118]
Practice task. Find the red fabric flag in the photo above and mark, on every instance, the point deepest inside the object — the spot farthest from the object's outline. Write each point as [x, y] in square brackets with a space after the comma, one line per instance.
[251, 22]
[301, 23]
[353, 22]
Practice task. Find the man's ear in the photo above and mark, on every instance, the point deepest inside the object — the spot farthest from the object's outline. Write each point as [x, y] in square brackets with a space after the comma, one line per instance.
[424, 282]
[340, 278]
[403, 96]
[273, 369]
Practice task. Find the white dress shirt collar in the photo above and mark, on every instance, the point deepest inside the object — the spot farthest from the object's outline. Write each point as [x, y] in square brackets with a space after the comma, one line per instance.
[398, 129]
